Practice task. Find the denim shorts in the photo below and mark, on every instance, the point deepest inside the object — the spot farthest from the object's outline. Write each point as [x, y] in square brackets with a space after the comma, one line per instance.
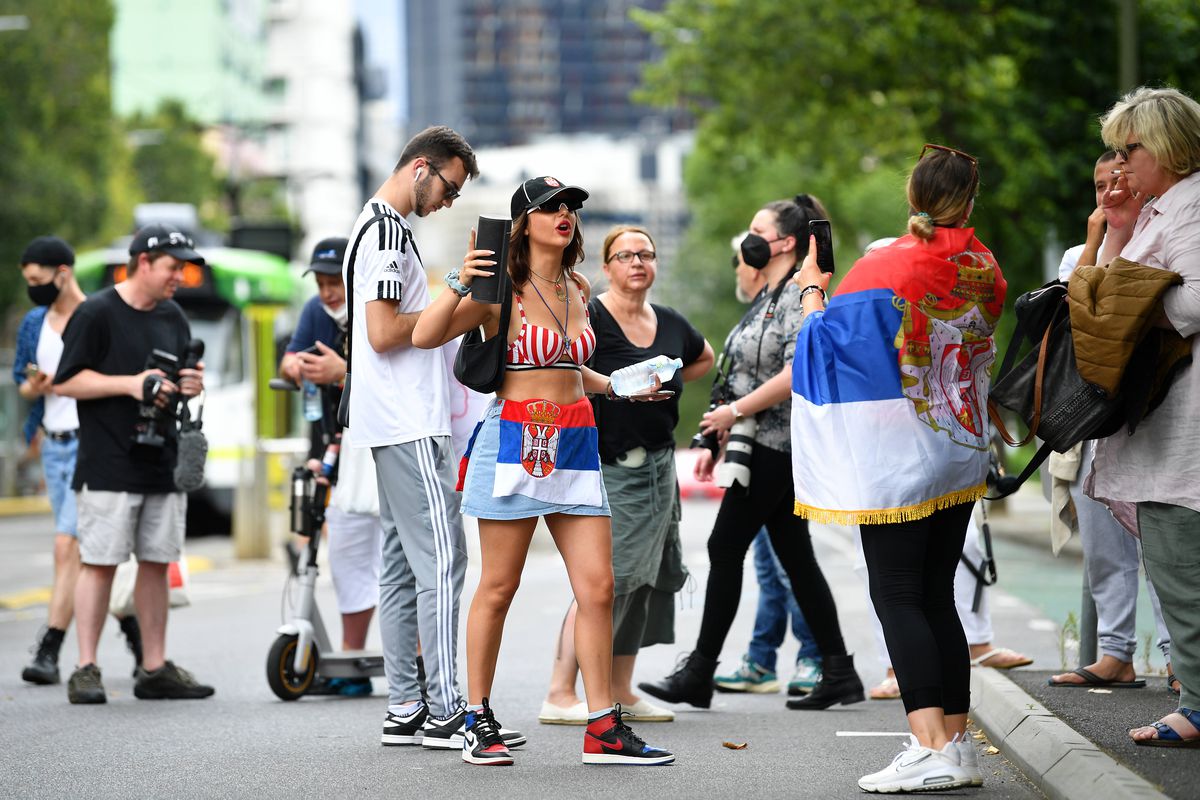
[477, 499]
[58, 467]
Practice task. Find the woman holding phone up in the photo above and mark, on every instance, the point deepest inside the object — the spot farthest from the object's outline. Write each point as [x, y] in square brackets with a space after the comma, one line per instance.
[759, 404]
[535, 454]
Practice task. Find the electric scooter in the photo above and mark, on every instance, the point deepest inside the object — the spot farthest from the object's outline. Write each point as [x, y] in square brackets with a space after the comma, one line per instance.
[302, 652]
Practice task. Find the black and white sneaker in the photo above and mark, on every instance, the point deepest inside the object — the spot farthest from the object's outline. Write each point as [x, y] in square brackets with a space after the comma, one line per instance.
[447, 734]
[398, 730]
[482, 744]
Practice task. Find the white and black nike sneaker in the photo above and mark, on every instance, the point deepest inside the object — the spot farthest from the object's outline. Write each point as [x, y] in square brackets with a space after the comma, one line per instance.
[398, 730]
[447, 734]
[482, 744]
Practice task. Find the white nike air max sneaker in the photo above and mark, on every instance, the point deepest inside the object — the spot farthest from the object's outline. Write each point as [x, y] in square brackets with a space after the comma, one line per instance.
[917, 769]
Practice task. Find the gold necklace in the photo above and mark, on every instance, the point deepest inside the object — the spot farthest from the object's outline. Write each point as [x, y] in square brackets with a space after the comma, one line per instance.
[560, 291]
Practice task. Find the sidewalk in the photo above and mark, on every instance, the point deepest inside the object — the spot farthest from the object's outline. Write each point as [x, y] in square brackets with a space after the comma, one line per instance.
[1073, 743]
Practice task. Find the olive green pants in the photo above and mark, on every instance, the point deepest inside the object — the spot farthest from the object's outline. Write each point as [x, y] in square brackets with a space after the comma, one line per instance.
[1171, 550]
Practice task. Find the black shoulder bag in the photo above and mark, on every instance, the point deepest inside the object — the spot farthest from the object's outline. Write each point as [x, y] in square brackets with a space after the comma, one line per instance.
[479, 364]
[343, 411]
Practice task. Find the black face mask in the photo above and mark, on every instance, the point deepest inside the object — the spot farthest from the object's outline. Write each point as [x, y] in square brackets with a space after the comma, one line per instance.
[43, 295]
[756, 251]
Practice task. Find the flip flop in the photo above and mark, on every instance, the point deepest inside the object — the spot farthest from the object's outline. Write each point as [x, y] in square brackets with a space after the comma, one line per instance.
[1168, 736]
[1091, 681]
[1015, 659]
[888, 689]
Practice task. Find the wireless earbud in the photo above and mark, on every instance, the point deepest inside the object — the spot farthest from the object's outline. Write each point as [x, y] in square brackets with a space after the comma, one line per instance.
[417, 177]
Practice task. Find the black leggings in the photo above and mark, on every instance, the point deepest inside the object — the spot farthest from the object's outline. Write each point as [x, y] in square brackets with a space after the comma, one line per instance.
[911, 568]
[770, 501]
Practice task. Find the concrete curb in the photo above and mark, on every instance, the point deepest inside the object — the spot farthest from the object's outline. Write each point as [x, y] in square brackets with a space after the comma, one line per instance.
[1061, 762]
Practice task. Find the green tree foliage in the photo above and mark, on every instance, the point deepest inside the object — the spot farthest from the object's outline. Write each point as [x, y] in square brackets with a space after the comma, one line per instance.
[836, 99]
[171, 162]
[56, 126]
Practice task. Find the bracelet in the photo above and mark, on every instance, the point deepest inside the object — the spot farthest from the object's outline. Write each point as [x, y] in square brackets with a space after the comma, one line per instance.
[807, 290]
[609, 393]
[456, 286]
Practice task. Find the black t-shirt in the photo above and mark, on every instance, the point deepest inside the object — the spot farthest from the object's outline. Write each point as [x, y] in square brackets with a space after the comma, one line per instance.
[107, 335]
[624, 425]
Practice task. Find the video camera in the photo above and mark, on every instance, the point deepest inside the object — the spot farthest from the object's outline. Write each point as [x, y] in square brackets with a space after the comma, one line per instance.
[718, 397]
[151, 430]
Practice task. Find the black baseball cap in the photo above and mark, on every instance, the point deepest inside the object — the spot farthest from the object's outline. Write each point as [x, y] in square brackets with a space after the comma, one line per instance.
[327, 256]
[535, 191]
[48, 251]
[165, 239]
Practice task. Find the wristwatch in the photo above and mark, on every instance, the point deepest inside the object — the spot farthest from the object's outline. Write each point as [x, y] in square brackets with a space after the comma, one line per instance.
[737, 415]
[456, 286]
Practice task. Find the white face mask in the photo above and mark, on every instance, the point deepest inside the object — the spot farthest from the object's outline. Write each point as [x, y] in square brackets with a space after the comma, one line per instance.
[338, 316]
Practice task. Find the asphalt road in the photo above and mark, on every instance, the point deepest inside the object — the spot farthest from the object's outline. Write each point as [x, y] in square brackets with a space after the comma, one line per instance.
[245, 743]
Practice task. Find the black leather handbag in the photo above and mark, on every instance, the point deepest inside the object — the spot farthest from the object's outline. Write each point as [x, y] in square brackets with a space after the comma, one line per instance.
[479, 364]
[1045, 388]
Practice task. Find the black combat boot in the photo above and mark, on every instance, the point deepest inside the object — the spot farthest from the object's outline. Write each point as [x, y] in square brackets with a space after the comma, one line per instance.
[44, 669]
[691, 682]
[133, 640]
[839, 683]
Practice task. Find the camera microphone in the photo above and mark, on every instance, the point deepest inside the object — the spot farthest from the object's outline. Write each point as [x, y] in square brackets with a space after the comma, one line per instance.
[193, 446]
[193, 354]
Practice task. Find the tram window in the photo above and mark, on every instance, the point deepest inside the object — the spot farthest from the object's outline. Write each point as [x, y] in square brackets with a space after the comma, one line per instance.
[223, 345]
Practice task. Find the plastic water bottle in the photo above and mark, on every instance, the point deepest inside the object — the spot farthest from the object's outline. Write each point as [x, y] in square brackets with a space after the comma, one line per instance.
[312, 401]
[639, 377]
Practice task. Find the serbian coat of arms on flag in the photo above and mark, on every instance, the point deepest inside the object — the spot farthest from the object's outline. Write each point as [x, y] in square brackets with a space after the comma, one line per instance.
[549, 452]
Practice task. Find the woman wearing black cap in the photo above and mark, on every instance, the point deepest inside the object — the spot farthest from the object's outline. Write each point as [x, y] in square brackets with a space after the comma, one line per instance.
[535, 454]
[758, 412]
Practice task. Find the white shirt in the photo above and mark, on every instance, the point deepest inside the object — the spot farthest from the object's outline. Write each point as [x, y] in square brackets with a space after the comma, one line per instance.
[1159, 462]
[400, 395]
[61, 415]
[1070, 259]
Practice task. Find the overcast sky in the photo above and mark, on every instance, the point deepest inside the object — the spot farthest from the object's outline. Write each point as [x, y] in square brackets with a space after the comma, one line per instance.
[382, 22]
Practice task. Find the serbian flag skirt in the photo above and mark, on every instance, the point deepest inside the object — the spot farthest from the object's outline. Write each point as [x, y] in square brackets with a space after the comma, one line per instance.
[549, 452]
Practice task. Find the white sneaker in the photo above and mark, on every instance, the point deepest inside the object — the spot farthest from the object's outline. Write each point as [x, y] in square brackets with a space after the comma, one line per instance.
[968, 759]
[917, 769]
[645, 711]
[563, 715]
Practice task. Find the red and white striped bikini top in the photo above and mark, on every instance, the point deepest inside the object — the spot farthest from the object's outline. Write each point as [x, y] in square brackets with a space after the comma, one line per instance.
[536, 346]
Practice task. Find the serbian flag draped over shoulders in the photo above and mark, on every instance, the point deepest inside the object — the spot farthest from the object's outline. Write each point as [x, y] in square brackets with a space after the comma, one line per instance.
[549, 452]
[889, 383]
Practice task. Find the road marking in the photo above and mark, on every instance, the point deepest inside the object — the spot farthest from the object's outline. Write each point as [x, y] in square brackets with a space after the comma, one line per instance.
[22, 506]
[872, 733]
[40, 596]
[1042, 625]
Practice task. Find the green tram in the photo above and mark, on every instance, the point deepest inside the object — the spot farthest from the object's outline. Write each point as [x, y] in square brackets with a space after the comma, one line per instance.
[240, 304]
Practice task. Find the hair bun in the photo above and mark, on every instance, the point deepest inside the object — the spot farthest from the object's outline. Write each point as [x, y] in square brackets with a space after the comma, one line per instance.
[803, 200]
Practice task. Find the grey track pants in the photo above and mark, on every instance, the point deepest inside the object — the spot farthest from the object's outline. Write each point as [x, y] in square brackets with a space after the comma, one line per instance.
[424, 562]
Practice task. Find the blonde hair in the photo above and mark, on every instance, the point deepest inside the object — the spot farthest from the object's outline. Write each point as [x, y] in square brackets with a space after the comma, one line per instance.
[617, 232]
[1166, 120]
[940, 190]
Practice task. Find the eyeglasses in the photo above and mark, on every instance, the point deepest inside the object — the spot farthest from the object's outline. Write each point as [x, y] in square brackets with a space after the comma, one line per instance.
[554, 205]
[627, 256]
[974, 161]
[452, 191]
[1124, 152]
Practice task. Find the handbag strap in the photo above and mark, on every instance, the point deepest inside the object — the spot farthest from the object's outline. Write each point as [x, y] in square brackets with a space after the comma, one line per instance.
[1039, 376]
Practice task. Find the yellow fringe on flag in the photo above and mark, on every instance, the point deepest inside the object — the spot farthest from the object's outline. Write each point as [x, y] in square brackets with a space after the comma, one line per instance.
[882, 516]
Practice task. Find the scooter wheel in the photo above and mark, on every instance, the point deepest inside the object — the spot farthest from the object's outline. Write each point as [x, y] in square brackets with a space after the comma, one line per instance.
[285, 682]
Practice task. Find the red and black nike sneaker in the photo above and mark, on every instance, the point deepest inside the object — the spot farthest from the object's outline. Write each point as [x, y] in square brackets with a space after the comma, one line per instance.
[482, 742]
[608, 740]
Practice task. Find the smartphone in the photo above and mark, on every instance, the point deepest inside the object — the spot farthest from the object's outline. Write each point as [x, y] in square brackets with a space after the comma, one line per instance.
[492, 234]
[314, 350]
[821, 229]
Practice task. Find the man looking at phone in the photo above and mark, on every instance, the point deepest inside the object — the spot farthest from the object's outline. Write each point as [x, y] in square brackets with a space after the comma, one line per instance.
[399, 408]
[125, 482]
[48, 266]
[315, 354]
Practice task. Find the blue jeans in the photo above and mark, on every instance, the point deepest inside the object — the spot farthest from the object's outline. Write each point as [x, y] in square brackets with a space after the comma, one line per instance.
[58, 468]
[775, 603]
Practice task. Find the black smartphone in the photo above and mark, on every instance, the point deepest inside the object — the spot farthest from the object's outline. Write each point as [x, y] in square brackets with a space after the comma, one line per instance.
[821, 229]
[492, 234]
